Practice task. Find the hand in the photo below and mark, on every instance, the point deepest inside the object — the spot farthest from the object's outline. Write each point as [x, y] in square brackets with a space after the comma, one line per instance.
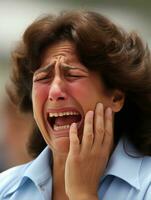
[87, 160]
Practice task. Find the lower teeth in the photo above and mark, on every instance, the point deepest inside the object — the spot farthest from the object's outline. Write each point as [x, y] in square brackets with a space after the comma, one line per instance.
[57, 128]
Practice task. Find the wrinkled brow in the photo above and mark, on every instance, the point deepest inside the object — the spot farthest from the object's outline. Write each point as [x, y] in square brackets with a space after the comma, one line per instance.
[65, 67]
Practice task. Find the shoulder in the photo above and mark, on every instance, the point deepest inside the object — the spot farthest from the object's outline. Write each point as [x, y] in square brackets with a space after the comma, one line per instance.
[11, 177]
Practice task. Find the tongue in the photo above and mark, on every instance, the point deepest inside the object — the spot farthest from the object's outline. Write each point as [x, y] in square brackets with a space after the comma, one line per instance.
[65, 120]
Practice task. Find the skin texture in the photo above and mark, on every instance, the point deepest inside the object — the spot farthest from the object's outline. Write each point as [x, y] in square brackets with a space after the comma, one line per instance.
[80, 154]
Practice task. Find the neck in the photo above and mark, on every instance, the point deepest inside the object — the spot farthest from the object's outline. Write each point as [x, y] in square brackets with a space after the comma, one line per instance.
[58, 172]
[59, 161]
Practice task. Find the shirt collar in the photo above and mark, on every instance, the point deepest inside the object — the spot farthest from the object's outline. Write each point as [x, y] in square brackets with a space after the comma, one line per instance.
[38, 170]
[121, 165]
[125, 163]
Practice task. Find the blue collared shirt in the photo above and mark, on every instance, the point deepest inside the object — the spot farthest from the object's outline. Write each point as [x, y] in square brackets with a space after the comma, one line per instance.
[126, 178]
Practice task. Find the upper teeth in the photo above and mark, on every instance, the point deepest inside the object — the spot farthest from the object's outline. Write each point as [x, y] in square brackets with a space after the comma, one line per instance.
[62, 114]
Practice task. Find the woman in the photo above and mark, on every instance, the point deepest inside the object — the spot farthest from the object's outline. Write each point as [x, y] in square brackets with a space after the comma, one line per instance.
[85, 80]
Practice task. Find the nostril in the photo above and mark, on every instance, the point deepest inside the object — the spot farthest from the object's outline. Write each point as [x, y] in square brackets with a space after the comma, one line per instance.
[57, 98]
[61, 98]
[57, 95]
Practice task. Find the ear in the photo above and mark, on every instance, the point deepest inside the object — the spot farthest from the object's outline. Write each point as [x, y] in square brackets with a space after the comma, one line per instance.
[118, 99]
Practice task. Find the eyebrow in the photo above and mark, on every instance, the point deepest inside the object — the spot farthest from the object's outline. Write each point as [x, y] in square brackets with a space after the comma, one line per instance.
[44, 69]
[69, 67]
[65, 67]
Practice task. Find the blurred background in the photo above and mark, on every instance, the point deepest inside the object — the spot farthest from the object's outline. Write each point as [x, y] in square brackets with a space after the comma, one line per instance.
[15, 16]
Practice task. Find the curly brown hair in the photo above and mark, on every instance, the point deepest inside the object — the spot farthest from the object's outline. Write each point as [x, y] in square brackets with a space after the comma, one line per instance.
[122, 60]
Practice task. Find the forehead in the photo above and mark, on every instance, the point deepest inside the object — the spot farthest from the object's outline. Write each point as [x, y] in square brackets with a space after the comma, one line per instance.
[64, 50]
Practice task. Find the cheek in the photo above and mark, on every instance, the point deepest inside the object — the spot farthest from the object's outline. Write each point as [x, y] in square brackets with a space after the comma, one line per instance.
[85, 93]
[77, 90]
[39, 95]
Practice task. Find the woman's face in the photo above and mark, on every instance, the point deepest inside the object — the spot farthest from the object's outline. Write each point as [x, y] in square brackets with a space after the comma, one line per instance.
[63, 91]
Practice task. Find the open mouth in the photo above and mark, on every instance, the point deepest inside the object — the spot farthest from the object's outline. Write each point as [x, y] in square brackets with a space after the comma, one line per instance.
[63, 120]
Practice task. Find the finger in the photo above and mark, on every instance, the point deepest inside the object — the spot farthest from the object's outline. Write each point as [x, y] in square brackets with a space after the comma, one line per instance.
[108, 136]
[99, 125]
[74, 140]
[87, 139]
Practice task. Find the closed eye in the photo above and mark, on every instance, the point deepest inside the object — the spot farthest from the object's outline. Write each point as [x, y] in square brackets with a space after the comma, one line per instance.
[73, 76]
[42, 77]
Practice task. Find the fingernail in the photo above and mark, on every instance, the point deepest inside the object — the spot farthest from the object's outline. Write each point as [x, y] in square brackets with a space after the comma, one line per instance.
[100, 106]
[91, 113]
[109, 112]
[73, 125]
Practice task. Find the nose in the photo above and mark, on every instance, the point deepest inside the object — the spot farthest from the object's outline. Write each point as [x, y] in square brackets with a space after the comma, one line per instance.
[57, 90]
